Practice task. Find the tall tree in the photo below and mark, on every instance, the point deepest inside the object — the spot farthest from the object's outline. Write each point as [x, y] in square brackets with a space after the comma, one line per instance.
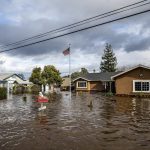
[83, 71]
[50, 75]
[36, 76]
[109, 61]
[77, 73]
[21, 76]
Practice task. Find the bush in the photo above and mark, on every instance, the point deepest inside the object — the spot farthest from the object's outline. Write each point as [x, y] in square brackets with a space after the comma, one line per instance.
[21, 89]
[35, 89]
[109, 94]
[53, 96]
[3, 93]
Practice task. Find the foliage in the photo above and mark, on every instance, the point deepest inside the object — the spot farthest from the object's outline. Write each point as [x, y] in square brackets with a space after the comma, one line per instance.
[109, 94]
[36, 76]
[35, 89]
[21, 89]
[77, 74]
[50, 75]
[109, 61]
[53, 96]
[21, 76]
[3, 93]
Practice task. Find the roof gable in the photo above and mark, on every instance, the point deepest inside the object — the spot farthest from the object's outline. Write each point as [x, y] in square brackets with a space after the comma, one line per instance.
[8, 75]
[84, 78]
[139, 66]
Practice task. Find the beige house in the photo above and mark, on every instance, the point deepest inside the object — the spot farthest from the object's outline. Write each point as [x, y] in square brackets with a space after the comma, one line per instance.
[9, 80]
[133, 81]
[65, 84]
[95, 82]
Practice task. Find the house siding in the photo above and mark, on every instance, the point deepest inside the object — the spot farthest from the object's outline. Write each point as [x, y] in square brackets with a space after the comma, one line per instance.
[96, 86]
[91, 86]
[124, 82]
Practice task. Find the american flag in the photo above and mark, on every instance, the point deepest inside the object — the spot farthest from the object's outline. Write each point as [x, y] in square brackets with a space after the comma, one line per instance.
[66, 51]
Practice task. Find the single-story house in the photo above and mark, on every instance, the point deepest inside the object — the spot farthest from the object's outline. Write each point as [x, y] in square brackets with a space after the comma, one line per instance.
[129, 82]
[95, 82]
[132, 81]
[8, 80]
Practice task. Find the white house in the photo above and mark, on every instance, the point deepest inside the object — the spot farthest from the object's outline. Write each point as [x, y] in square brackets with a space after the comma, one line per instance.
[9, 80]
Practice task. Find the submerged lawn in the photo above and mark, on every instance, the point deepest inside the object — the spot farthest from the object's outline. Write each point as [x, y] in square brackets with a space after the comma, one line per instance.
[111, 124]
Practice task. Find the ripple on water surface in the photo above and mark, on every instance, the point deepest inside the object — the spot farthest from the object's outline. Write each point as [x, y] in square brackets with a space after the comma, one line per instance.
[112, 123]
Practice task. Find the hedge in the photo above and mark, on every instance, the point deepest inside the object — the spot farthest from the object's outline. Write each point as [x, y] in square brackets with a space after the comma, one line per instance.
[3, 93]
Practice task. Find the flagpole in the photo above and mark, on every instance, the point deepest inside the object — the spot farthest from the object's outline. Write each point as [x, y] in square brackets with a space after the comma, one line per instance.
[70, 68]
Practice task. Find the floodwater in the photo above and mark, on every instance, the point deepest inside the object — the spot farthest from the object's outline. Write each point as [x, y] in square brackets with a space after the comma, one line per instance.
[111, 124]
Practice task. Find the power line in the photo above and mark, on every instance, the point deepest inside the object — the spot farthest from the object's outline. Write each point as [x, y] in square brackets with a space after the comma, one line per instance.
[114, 20]
[79, 23]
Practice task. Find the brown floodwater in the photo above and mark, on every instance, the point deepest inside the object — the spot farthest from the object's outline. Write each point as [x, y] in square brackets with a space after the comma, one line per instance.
[114, 123]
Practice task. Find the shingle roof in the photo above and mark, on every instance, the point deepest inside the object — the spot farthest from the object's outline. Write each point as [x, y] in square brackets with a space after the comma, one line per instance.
[102, 76]
[123, 72]
[24, 82]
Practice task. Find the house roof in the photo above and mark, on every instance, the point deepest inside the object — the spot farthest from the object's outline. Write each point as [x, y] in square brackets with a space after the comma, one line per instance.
[4, 76]
[24, 82]
[102, 76]
[121, 73]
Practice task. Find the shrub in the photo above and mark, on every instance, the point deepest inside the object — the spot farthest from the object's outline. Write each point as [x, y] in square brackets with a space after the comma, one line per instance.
[35, 89]
[20, 89]
[109, 94]
[53, 96]
[3, 93]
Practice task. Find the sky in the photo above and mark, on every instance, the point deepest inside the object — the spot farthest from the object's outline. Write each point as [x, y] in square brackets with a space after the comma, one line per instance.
[20, 19]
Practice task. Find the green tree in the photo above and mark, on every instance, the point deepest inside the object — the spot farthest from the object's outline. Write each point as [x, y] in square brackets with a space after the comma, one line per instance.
[109, 61]
[79, 73]
[36, 76]
[83, 71]
[21, 76]
[50, 75]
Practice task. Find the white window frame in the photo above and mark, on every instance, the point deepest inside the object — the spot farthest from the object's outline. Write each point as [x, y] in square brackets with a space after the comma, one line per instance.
[141, 81]
[82, 82]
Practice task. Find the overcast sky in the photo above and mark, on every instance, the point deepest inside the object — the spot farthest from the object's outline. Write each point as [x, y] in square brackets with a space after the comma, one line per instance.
[20, 19]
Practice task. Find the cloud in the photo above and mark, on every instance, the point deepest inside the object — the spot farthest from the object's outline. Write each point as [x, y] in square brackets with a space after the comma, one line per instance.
[2, 62]
[21, 19]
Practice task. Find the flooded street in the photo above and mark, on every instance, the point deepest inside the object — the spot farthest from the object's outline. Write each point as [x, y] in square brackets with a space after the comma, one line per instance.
[111, 124]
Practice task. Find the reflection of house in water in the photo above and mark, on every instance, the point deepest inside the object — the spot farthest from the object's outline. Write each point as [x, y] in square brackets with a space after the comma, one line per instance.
[145, 104]
[133, 106]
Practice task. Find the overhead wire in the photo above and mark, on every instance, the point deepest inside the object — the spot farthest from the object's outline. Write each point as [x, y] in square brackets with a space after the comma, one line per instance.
[114, 20]
[95, 18]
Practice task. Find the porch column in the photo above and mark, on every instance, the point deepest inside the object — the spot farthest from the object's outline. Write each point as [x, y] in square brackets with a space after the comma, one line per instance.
[42, 88]
[110, 87]
[105, 84]
[7, 90]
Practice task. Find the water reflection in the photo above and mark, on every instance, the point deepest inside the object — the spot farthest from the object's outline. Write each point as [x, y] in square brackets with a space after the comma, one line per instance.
[111, 123]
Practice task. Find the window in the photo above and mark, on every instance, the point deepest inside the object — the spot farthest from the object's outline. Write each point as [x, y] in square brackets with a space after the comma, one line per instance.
[141, 86]
[82, 84]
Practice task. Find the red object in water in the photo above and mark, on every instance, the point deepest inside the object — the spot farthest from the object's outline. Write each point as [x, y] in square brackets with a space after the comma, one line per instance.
[42, 100]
